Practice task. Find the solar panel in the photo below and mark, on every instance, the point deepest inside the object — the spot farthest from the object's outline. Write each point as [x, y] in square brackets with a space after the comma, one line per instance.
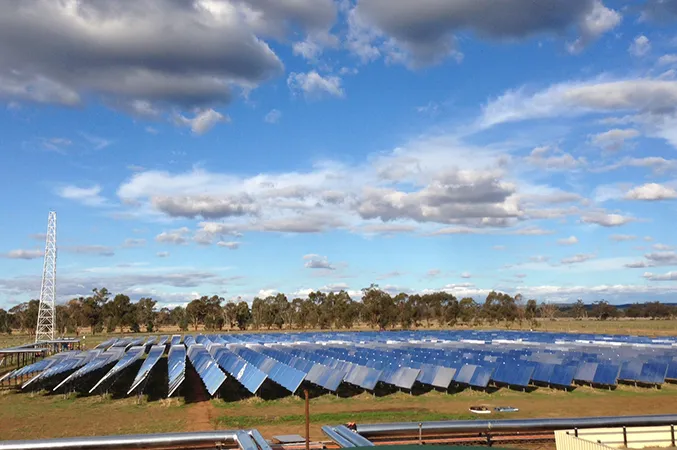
[176, 368]
[154, 355]
[244, 372]
[132, 355]
[100, 361]
[208, 370]
[606, 374]
[653, 373]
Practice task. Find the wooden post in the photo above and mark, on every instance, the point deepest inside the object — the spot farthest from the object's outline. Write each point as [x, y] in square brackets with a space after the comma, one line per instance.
[305, 391]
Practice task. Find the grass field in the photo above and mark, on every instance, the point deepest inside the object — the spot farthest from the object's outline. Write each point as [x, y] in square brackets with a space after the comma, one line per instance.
[38, 415]
[25, 415]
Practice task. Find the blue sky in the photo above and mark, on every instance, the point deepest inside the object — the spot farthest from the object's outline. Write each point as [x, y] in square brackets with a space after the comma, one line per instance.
[241, 147]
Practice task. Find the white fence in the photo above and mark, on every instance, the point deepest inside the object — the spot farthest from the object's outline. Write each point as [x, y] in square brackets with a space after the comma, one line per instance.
[618, 437]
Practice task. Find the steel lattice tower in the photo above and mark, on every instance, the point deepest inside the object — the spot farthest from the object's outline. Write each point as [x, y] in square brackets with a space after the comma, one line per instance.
[47, 311]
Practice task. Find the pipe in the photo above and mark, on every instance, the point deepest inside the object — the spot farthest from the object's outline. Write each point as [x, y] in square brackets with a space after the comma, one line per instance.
[334, 436]
[355, 438]
[126, 441]
[411, 428]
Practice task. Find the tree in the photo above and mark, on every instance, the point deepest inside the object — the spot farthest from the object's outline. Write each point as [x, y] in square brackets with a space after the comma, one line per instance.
[230, 314]
[468, 310]
[657, 310]
[5, 325]
[244, 316]
[449, 308]
[120, 312]
[578, 310]
[258, 311]
[636, 310]
[146, 315]
[379, 307]
[213, 315]
[548, 310]
[492, 310]
[196, 311]
[603, 310]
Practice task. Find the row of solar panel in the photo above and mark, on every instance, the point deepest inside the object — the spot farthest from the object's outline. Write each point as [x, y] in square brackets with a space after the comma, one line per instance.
[328, 365]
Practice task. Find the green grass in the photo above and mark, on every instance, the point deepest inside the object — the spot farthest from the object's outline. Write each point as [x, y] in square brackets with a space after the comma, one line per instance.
[411, 415]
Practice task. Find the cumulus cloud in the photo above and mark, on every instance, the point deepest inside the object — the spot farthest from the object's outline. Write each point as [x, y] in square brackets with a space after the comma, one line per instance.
[651, 192]
[614, 139]
[317, 262]
[571, 240]
[606, 219]
[23, 254]
[669, 276]
[667, 59]
[312, 85]
[203, 121]
[89, 196]
[219, 42]
[640, 46]
[422, 33]
[553, 159]
[655, 259]
[178, 236]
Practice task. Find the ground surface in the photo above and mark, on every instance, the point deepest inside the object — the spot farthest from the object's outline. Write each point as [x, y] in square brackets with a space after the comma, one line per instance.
[33, 416]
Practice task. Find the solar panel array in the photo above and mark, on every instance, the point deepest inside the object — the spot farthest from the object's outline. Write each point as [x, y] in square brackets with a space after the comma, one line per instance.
[440, 359]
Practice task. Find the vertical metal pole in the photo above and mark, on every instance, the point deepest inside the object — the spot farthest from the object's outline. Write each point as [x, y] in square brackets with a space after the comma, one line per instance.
[420, 433]
[672, 434]
[305, 391]
[576, 432]
[625, 437]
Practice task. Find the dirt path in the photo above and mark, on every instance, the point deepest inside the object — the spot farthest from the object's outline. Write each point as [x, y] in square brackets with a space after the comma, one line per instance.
[201, 417]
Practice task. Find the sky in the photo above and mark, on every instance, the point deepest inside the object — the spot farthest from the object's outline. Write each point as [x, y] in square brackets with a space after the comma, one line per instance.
[247, 147]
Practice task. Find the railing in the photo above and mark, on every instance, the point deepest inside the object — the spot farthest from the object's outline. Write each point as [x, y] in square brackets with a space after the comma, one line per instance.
[626, 437]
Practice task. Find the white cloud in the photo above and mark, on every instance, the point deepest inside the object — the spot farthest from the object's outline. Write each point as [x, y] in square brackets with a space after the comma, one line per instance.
[273, 116]
[622, 237]
[466, 275]
[231, 245]
[312, 85]
[606, 219]
[162, 254]
[553, 159]
[571, 240]
[203, 121]
[87, 196]
[134, 243]
[23, 254]
[422, 34]
[667, 60]
[640, 46]
[642, 95]
[97, 250]
[651, 192]
[614, 139]
[177, 236]
[669, 276]
[578, 258]
[317, 262]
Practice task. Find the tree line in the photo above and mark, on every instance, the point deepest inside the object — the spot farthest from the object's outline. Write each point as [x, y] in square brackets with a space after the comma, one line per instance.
[335, 310]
